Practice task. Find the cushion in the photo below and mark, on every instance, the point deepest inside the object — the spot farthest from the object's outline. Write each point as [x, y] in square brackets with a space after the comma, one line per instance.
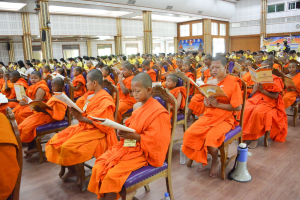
[180, 117]
[297, 100]
[52, 126]
[107, 90]
[67, 90]
[49, 85]
[130, 110]
[112, 76]
[143, 174]
[160, 100]
[166, 68]
[232, 133]
[231, 65]
[180, 82]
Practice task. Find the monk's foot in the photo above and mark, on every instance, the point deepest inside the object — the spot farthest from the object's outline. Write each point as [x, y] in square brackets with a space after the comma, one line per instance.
[71, 173]
[62, 171]
[253, 144]
[29, 153]
[214, 172]
[201, 168]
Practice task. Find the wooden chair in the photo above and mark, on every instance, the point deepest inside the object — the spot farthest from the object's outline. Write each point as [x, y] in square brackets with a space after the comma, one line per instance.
[81, 178]
[236, 134]
[11, 117]
[145, 175]
[54, 127]
[158, 72]
[194, 72]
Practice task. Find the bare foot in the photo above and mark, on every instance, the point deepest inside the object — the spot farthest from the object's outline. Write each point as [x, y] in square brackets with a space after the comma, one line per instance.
[214, 172]
[201, 168]
[253, 144]
[62, 171]
[71, 172]
[29, 153]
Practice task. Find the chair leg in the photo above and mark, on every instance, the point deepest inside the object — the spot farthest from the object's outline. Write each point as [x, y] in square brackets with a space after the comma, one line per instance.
[147, 188]
[266, 138]
[81, 176]
[223, 160]
[40, 149]
[62, 171]
[169, 187]
[189, 163]
[130, 196]
[194, 118]
[295, 115]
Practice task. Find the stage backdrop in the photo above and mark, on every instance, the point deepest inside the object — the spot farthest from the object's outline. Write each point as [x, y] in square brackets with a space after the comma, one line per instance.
[191, 45]
[293, 42]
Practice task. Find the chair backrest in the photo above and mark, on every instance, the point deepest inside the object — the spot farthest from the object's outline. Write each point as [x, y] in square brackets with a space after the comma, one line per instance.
[71, 72]
[169, 99]
[241, 120]
[114, 92]
[158, 72]
[11, 117]
[114, 76]
[49, 85]
[69, 90]
[231, 66]
[194, 72]
[186, 84]
[167, 66]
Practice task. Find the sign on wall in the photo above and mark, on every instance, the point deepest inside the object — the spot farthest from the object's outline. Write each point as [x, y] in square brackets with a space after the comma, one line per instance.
[293, 42]
[191, 45]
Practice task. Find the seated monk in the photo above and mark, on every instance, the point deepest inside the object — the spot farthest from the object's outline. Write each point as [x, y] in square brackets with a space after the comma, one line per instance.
[291, 94]
[60, 71]
[247, 77]
[206, 71]
[78, 82]
[126, 102]
[208, 132]
[9, 91]
[265, 111]
[106, 74]
[151, 121]
[258, 61]
[38, 91]
[1, 79]
[28, 127]
[151, 61]
[160, 64]
[79, 143]
[9, 168]
[286, 62]
[179, 64]
[186, 70]
[89, 66]
[275, 65]
[148, 70]
[46, 71]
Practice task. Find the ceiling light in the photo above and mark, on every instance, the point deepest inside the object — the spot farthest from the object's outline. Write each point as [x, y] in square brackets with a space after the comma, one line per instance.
[86, 11]
[169, 7]
[168, 18]
[11, 6]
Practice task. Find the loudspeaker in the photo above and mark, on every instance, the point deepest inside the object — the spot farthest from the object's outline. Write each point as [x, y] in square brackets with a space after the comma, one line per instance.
[8, 46]
[43, 35]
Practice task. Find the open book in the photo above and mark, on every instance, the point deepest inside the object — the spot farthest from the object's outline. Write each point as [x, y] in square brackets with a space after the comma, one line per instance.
[289, 83]
[261, 75]
[155, 83]
[64, 98]
[237, 67]
[20, 91]
[55, 74]
[3, 98]
[210, 90]
[39, 106]
[168, 73]
[117, 70]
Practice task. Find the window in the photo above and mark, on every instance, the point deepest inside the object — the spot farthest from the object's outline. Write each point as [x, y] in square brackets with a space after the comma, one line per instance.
[184, 30]
[131, 48]
[156, 48]
[104, 49]
[276, 8]
[222, 29]
[70, 51]
[197, 29]
[37, 53]
[218, 46]
[214, 28]
[294, 5]
[171, 47]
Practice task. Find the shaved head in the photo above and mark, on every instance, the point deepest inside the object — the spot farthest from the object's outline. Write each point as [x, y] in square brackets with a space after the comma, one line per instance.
[78, 69]
[60, 70]
[15, 74]
[37, 73]
[209, 57]
[58, 81]
[174, 78]
[95, 75]
[128, 66]
[291, 64]
[144, 79]
[268, 62]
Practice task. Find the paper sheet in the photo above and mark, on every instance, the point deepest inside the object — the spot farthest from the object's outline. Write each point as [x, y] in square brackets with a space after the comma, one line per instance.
[64, 98]
[3, 98]
[155, 83]
[112, 124]
[20, 92]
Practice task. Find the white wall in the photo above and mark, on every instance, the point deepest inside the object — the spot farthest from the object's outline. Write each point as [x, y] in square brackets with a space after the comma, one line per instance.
[10, 23]
[19, 55]
[4, 53]
[58, 51]
[139, 42]
[94, 44]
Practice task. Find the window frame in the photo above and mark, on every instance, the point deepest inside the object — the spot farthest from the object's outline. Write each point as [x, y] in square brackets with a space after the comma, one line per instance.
[284, 8]
[105, 45]
[197, 28]
[70, 49]
[169, 47]
[295, 3]
[189, 30]
[137, 44]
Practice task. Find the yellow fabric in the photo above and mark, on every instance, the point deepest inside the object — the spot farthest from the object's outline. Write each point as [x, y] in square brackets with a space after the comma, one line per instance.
[132, 61]
[40, 65]
[79, 64]
[140, 60]
[292, 58]
[250, 56]
[110, 63]
[264, 57]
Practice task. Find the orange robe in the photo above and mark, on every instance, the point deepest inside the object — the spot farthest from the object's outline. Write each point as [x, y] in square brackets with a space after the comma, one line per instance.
[111, 170]
[152, 74]
[151, 64]
[199, 73]
[10, 86]
[162, 78]
[82, 90]
[197, 105]
[265, 114]
[28, 127]
[140, 69]
[290, 97]
[191, 76]
[1, 83]
[22, 112]
[81, 100]
[206, 75]
[210, 129]
[11, 94]
[174, 61]
[175, 92]
[9, 168]
[45, 75]
[248, 80]
[277, 66]
[79, 143]
[110, 79]
[126, 102]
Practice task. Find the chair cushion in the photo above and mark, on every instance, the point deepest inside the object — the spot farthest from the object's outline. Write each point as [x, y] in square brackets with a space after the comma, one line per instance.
[52, 126]
[67, 90]
[107, 90]
[160, 100]
[166, 68]
[297, 99]
[112, 76]
[180, 117]
[180, 82]
[143, 174]
[190, 97]
[232, 133]
[129, 111]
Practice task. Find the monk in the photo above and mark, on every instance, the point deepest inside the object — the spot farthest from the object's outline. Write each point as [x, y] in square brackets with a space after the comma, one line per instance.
[9, 91]
[179, 64]
[1, 79]
[79, 143]
[206, 70]
[28, 127]
[78, 82]
[46, 71]
[286, 62]
[265, 111]
[151, 122]
[38, 91]
[247, 78]
[106, 74]
[291, 94]
[160, 65]
[151, 72]
[89, 66]
[258, 61]
[275, 65]
[186, 70]
[208, 132]
[126, 102]
[9, 168]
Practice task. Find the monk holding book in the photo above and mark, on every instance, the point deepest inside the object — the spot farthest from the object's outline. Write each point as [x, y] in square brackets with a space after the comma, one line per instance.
[186, 70]
[208, 132]
[247, 77]
[55, 111]
[291, 93]
[79, 143]
[151, 123]
[78, 82]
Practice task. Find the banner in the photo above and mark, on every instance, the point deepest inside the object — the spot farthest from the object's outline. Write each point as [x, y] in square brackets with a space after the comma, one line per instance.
[191, 45]
[293, 42]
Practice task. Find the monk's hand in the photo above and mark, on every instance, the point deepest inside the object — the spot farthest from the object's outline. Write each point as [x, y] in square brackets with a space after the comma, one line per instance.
[129, 135]
[206, 102]
[255, 88]
[23, 103]
[213, 101]
[76, 114]
[260, 87]
[120, 76]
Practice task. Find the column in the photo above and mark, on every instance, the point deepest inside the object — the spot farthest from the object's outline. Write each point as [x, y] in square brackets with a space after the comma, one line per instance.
[44, 19]
[89, 48]
[118, 38]
[147, 26]
[207, 36]
[27, 46]
[263, 20]
[11, 51]
[175, 45]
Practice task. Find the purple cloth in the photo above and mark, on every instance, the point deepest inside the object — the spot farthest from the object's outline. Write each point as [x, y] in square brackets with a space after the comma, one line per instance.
[49, 85]
[107, 90]
[160, 100]
[231, 65]
[166, 68]
[112, 76]
[129, 111]
[180, 82]
[52, 126]
[232, 133]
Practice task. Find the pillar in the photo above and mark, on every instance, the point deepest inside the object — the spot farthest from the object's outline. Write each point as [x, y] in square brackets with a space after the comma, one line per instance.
[11, 51]
[26, 38]
[118, 38]
[207, 36]
[147, 26]
[89, 48]
[175, 45]
[44, 19]
[263, 19]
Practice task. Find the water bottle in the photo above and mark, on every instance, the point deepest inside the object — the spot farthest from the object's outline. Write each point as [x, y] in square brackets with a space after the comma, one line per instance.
[182, 156]
[167, 196]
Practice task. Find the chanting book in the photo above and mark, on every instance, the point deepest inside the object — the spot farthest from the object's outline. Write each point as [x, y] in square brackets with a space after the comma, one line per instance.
[289, 83]
[3, 98]
[39, 106]
[64, 98]
[55, 74]
[210, 90]
[155, 83]
[238, 67]
[168, 73]
[261, 75]
[20, 91]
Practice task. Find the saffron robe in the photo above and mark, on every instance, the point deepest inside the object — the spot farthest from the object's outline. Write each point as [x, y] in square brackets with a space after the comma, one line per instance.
[206, 75]
[265, 114]
[45, 75]
[191, 76]
[110, 79]
[152, 74]
[1, 83]
[175, 92]
[289, 97]
[79, 143]
[248, 80]
[210, 129]
[111, 170]
[197, 105]
[82, 90]
[277, 66]
[28, 127]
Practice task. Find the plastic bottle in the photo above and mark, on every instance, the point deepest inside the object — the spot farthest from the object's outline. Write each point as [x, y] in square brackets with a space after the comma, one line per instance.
[182, 156]
[167, 196]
